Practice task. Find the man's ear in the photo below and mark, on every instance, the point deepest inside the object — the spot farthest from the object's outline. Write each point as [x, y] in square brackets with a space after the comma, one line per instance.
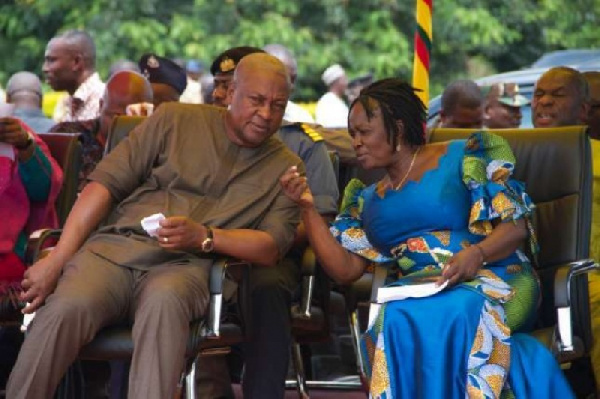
[230, 92]
[584, 112]
[78, 61]
[442, 118]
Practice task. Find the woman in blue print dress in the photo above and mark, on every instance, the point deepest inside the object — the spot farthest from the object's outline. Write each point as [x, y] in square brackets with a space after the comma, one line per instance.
[449, 210]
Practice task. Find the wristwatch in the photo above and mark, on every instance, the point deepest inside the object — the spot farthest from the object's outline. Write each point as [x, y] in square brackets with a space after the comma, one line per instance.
[208, 244]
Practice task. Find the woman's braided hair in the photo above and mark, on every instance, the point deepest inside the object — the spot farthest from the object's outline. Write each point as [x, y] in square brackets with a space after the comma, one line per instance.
[398, 101]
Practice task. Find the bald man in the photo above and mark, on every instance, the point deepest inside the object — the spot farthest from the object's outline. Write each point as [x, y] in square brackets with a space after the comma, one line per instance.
[560, 98]
[122, 89]
[70, 65]
[24, 91]
[221, 197]
[593, 117]
[593, 122]
[462, 105]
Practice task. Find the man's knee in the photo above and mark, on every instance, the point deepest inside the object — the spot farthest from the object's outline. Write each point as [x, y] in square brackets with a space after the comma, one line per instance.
[74, 310]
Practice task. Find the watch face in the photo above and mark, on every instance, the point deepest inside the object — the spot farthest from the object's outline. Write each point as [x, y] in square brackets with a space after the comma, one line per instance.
[207, 245]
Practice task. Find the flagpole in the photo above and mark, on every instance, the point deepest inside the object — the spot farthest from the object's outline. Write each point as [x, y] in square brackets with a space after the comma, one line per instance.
[423, 38]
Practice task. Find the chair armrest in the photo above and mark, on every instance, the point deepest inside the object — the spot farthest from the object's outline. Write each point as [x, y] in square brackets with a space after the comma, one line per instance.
[218, 273]
[562, 302]
[37, 241]
[308, 270]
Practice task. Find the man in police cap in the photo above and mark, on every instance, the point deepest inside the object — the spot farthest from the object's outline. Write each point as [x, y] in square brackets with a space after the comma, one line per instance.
[167, 78]
[222, 70]
[502, 109]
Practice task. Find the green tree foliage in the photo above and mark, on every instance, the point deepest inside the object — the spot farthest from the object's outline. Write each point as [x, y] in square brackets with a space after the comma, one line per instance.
[471, 37]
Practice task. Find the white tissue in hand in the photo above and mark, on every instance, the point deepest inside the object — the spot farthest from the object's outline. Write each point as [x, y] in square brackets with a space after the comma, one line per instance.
[151, 225]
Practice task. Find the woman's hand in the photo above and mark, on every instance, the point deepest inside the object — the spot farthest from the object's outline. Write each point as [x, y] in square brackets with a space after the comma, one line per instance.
[181, 233]
[11, 132]
[38, 282]
[463, 266]
[296, 188]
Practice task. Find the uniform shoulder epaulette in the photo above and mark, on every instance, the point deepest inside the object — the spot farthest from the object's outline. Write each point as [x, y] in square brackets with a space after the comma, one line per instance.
[310, 132]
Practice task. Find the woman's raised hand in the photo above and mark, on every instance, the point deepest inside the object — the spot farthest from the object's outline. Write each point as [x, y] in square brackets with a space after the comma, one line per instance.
[296, 187]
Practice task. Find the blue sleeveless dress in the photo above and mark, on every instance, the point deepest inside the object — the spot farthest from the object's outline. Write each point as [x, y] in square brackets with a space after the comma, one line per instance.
[467, 340]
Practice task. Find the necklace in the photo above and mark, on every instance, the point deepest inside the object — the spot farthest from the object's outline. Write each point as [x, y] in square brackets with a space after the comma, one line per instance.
[412, 163]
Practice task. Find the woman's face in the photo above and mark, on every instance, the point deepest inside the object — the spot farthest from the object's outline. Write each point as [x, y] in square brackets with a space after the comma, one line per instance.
[369, 138]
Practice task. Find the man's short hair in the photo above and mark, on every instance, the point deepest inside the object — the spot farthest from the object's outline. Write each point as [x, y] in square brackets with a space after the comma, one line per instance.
[576, 78]
[23, 82]
[82, 42]
[461, 93]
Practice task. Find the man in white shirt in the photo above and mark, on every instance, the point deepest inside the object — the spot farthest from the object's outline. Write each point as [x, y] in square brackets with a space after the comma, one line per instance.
[331, 110]
[70, 65]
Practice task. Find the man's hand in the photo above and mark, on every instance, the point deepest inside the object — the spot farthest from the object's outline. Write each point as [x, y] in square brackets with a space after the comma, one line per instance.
[180, 233]
[38, 282]
[11, 132]
[462, 267]
[296, 188]
[139, 109]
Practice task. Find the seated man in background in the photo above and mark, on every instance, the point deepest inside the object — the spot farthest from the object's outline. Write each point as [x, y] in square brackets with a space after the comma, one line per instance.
[122, 89]
[222, 70]
[593, 122]
[24, 91]
[167, 78]
[30, 180]
[266, 354]
[220, 196]
[462, 105]
[561, 97]
[502, 108]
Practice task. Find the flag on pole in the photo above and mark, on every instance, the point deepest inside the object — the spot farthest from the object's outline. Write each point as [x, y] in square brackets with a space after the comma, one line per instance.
[423, 37]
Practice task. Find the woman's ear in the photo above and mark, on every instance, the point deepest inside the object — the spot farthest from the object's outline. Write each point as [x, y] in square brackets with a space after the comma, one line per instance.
[400, 125]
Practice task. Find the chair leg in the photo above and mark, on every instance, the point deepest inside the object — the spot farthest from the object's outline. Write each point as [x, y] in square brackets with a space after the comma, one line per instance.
[119, 378]
[355, 332]
[299, 368]
[190, 382]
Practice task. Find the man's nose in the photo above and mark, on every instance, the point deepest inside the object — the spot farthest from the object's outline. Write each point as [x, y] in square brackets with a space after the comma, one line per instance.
[265, 111]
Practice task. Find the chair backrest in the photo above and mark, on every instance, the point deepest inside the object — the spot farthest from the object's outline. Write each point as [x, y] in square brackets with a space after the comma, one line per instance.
[66, 149]
[555, 164]
[119, 129]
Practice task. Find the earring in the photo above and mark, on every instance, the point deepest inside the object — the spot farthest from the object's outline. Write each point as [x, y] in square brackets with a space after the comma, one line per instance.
[398, 147]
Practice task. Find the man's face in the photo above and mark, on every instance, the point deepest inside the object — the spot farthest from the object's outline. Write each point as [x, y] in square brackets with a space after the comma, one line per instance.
[221, 88]
[556, 101]
[594, 112]
[60, 66]
[502, 116]
[463, 118]
[258, 101]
